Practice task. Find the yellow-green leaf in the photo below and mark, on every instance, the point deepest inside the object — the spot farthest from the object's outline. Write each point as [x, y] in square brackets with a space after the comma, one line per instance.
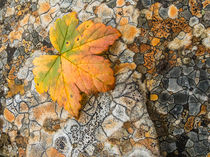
[76, 68]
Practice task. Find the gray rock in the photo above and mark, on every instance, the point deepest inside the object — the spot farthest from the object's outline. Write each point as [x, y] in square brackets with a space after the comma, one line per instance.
[203, 74]
[200, 148]
[191, 151]
[207, 16]
[173, 86]
[171, 147]
[138, 58]
[201, 96]
[35, 41]
[17, 98]
[186, 14]
[178, 131]
[1, 65]
[203, 85]
[127, 56]
[86, 1]
[146, 3]
[208, 62]
[202, 137]
[177, 110]
[35, 34]
[22, 73]
[164, 97]
[192, 99]
[33, 7]
[193, 136]
[187, 70]
[193, 21]
[163, 12]
[175, 72]
[1, 15]
[194, 108]
[181, 97]
[111, 4]
[183, 81]
[189, 143]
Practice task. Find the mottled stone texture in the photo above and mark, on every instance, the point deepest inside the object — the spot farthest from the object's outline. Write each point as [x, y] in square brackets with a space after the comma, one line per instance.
[159, 106]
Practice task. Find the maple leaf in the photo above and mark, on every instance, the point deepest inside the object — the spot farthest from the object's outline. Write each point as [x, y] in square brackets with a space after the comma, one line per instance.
[76, 68]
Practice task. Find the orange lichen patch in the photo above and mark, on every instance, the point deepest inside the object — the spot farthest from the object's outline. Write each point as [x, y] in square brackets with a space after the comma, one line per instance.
[3, 47]
[18, 120]
[173, 11]
[189, 124]
[149, 60]
[173, 60]
[15, 35]
[14, 88]
[123, 21]
[46, 49]
[43, 111]
[155, 41]
[153, 11]
[201, 50]
[129, 32]
[148, 143]
[21, 152]
[11, 75]
[10, 11]
[150, 133]
[144, 48]
[19, 13]
[203, 110]
[180, 43]
[44, 7]
[124, 67]
[25, 20]
[195, 8]
[8, 115]
[120, 3]
[153, 97]
[205, 3]
[150, 84]
[162, 28]
[12, 135]
[23, 107]
[52, 152]
[4, 38]
[133, 47]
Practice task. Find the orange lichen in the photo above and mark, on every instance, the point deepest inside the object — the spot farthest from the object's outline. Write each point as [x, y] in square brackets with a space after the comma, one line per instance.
[144, 48]
[149, 60]
[52, 152]
[153, 97]
[120, 3]
[46, 110]
[173, 11]
[195, 8]
[203, 110]
[8, 115]
[205, 3]
[124, 67]
[15, 35]
[44, 7]
[155, 41]
[133, 47]
[14, 88]
[123, 21]
[201, 50]
[25, 20]
[189, 124]
[129, 32]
